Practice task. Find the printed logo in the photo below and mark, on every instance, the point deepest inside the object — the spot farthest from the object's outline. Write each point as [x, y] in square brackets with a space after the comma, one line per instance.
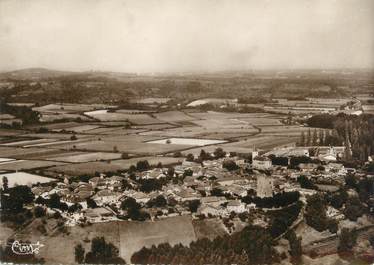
[21, 248]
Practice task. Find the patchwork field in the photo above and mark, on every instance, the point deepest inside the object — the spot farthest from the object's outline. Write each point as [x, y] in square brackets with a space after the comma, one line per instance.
[23, 178]
[91, 168]
[136, 144]
[28, 142]
[71, 108]
[104, 115]
[263, 142]
[114, 131]
[69, 116]
[173, 116]
[101, 142]
[151, 100]
[27, 153]
[187, 141]
[79, 157]
[211, 148]
[82, 128]
[11, 132]
[28, 164]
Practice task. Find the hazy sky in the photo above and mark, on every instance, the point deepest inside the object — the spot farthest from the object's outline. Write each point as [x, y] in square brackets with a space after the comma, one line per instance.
[186, 35]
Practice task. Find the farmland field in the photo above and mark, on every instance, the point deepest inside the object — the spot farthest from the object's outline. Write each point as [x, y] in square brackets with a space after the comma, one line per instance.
[133, 111]
[187, 141]
[23, 178]
[104, 115]
[135, 235]
[173, 116]
[82, 128]
[71, 108]
[114, 131]
[123, 143]
[190, 131]
[151, 100]
[11, 132]
[78, 157]
[27, 164]
[3, 160]
[23, 153]
[210, 100]
[59, 116]
[152, 160]
[28, 142]
[263, 142]
[112, 166]
[89, 168]
[100, 144]
[58, 126]
[208, 228]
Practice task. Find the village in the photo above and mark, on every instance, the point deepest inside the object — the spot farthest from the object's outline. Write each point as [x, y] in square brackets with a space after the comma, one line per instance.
[204, 187]
[209, 171]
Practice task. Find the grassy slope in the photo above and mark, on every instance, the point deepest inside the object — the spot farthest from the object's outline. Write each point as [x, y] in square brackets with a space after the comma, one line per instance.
[127, 236]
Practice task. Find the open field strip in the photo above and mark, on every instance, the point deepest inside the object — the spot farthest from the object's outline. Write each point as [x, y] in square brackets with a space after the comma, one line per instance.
[28, 164]
[91, 168]
[6, 160]
[187, 141]
[85, 157]
[27, 142]
[23, 178]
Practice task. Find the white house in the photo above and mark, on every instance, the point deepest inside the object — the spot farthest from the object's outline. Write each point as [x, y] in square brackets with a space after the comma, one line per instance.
[236, 206]
[105, 196]
[211, 210]
[212, 200]
[260, 162]
[140, 197]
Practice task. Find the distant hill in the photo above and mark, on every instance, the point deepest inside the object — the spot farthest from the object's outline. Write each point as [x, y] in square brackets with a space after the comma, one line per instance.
[114, 87]
[33, 74]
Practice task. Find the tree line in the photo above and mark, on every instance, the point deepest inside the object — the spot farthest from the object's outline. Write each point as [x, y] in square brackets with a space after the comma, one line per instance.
[352, 131]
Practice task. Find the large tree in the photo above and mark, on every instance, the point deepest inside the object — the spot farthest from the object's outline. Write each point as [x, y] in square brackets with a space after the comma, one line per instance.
[347, 240]
[103, 252]
[353, 208]
[315, 212]
[79, 252]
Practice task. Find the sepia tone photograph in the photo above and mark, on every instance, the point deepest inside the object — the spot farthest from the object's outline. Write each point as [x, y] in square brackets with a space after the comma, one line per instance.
[199, 132]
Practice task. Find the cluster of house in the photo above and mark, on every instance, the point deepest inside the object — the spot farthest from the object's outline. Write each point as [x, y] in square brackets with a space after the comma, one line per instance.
[218, 190]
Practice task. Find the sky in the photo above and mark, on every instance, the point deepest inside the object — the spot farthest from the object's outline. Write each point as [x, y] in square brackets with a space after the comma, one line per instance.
[146, 36]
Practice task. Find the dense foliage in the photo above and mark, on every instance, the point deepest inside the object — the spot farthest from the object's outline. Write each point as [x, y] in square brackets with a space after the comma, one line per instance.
[281, 199]
[355, 132]
[315, 212]
[230, 165]
[26, 114]
[347, 240]
[306, 183]
[101, 252]
[13, 201]
[295, 247]
[253, 245]
[282, 219]
[133, 209]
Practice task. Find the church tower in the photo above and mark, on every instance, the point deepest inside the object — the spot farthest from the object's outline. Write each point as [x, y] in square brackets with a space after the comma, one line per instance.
[264, 186]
